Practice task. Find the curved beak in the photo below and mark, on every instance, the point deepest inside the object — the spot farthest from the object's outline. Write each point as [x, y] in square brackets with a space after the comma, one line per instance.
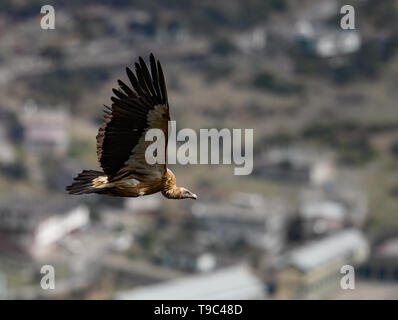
[194, 196]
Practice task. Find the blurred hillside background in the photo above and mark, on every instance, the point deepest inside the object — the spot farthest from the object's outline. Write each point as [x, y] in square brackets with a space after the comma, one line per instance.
[324, 189]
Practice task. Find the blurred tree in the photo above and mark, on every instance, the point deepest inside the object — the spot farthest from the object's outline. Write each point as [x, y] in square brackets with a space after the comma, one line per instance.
[350, 140]
[394, 149]
[16, 170]
[223, 46]
[267, 80]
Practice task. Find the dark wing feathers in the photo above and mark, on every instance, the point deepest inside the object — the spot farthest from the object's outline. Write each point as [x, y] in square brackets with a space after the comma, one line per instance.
[107, 110]
[126, 121]
[155, 76]
[162, 83]
[134, 82]
[148, 80]
[126, 89]
[119, 94]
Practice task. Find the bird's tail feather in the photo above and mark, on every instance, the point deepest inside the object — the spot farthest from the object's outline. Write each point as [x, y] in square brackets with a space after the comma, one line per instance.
[84, 183]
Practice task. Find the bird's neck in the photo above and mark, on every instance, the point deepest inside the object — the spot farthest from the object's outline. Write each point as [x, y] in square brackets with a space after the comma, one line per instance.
[170, 190]
[173, 193]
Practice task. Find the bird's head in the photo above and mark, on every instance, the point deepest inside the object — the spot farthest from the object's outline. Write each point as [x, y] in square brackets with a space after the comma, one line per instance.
[171, 191]
[186, 194]
[179, 193]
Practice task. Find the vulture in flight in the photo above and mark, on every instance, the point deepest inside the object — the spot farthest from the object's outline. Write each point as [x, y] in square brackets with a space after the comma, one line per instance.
[121, 141]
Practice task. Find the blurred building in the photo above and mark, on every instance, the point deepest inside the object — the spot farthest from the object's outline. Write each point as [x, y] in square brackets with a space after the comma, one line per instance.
[296, 164]
[32, 225]
[145, 205]
[317, 218]
[327, 42]
[382, 264]
[132, 214]
[142, 23]
[312, 271]
[46, 136]
[250, 218]
[191, 257]
[323, 211]
[46, 130]
[7, 151]
[232, 283]
[253, 40]
[345, 202]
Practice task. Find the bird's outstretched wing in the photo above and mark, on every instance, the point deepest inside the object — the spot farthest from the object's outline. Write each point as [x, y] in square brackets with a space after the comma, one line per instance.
[121, 141]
